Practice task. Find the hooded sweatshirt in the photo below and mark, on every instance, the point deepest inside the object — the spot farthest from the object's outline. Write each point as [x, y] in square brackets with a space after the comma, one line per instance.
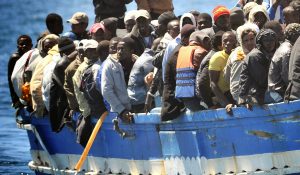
[255, 10]
[254, 75]
[187, 15]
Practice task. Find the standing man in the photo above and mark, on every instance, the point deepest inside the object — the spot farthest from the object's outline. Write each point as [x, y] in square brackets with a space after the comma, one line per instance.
[217, 64]
[221, 17]
[204, 21]
[58, 103]
[141, 32]
[54, 23]
[111, 8]
[79, 23]
[155, 7]
[113, 85]
[24, 44]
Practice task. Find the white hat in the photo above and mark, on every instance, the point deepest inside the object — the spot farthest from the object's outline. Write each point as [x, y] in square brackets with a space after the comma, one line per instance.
[87, 43]
[142, 13]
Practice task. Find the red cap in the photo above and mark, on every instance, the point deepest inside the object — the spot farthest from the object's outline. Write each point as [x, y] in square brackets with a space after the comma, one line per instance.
[95, 27]
[219, 11]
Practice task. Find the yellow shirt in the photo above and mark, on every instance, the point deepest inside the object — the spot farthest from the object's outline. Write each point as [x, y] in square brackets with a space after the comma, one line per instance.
[217, 63]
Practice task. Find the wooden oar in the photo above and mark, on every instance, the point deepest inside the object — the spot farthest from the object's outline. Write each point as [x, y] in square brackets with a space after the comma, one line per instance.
[90, 142]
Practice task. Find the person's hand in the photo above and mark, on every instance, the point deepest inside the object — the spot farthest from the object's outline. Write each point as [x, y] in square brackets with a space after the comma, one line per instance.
[229, 109]
[149, 78]
[126, 116]
[248, 106]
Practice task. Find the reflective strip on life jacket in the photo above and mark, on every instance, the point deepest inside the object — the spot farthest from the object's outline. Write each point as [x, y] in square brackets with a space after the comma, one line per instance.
[185, 73]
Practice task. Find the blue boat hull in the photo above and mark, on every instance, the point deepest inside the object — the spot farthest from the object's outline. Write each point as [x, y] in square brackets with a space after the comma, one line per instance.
[265, 140]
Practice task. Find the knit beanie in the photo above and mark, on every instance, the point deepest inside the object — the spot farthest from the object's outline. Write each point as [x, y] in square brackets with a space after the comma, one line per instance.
[219, 11]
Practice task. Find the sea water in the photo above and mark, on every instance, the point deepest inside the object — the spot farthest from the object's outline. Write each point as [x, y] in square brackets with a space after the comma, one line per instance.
[27, 17]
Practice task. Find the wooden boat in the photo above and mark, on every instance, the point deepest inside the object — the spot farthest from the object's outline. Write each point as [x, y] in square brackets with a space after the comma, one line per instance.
[265, 140]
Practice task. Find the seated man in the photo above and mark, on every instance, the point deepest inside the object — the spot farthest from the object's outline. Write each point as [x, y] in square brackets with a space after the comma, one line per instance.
[113, 84]
[216, 66]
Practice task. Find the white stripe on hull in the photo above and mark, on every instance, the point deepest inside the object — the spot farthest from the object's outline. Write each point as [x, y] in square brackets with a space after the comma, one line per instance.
[284, 162]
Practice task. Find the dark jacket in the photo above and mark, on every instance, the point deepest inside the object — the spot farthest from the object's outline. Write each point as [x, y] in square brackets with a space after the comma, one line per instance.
[69, 86]
[139, 40]
[254, 75]
[293, 90]
[171, 107]
[58, 104]
[278, 73]
[110, 8]
[10, 67]
[203, 90]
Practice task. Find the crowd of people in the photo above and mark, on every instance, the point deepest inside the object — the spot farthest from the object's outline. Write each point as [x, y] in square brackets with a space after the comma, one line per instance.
[135, 61]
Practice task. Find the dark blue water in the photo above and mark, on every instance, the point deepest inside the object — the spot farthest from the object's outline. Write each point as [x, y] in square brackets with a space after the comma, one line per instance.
[27, 17]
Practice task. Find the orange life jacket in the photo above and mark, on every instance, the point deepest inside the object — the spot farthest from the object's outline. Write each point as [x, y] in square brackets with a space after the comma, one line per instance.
[186, 70]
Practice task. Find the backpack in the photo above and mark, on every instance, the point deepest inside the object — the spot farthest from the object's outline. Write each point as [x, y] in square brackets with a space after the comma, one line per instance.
[91, 93]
